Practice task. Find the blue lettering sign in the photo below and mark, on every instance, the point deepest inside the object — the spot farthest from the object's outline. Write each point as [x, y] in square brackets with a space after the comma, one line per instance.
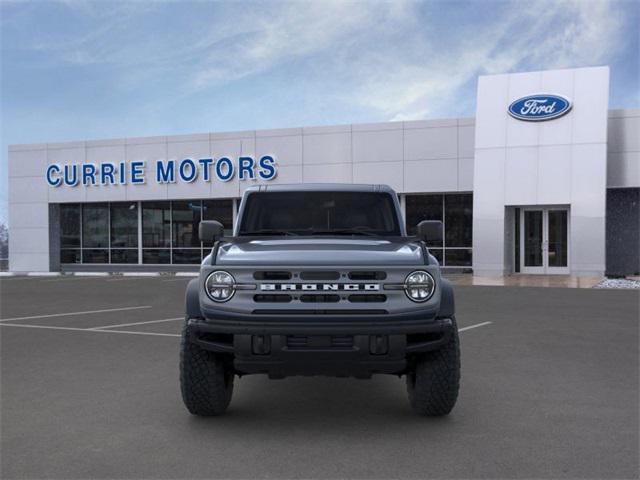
[137, 172]
[106, 173]
[51, 180]
[246, 167]
[224, 164]
[206, 168]
[267, 168]
[166, 171]
[188, 174]
[71, 175]
[165, 174]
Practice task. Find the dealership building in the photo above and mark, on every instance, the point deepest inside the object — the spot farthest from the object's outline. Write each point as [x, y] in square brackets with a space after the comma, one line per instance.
[545, 179]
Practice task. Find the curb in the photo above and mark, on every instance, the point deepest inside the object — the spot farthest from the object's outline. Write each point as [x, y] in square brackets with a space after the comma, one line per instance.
[99, 274]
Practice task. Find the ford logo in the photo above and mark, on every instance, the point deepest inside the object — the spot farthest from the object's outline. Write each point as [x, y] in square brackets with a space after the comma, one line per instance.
[536, 108]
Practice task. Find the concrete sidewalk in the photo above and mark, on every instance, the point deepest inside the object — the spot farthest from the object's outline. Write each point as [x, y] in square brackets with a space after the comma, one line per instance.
[521, 280]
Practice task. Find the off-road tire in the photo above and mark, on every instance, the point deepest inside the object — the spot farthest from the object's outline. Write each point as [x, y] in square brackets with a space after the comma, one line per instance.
[433, 383]
[205, 383]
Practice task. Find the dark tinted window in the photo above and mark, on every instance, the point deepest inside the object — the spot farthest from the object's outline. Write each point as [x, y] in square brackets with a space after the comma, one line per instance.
[458, 221]
[186, 218]
[423, 207]
[124, 225]
[309, 213]
[220, 210]
[458, 257]
[95, 226]
[455, 211]
[69, 226]
[156, 224]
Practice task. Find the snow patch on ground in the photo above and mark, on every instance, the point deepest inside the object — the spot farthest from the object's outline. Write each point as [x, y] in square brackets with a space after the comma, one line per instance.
[618, 283]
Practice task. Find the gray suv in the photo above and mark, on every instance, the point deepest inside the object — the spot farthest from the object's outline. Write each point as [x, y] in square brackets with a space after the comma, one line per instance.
[320, 280]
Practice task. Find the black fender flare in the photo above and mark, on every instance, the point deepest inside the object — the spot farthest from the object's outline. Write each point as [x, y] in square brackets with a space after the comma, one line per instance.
[447, 301]
[192, 300]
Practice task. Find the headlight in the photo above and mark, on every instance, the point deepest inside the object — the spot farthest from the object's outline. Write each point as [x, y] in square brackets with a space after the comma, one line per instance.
[419, 286]
[220, 286]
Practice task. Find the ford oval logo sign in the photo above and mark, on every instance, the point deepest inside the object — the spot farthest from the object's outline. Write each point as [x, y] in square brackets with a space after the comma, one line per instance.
[536, 108]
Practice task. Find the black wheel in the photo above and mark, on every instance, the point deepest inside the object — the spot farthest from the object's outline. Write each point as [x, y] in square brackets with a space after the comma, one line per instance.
[206, 384]
[434, 382]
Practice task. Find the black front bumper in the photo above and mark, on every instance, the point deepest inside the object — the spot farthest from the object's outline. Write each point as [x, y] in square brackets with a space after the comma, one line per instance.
[350, 347]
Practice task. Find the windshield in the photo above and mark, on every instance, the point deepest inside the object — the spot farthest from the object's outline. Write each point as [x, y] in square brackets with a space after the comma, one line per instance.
[319, 213]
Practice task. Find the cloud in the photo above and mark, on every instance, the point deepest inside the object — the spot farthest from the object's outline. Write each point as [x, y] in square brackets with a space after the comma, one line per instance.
[525, 36]
[397, 59]
[294, 31]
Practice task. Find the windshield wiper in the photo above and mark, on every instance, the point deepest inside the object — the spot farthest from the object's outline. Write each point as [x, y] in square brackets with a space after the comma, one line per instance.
[268, 231]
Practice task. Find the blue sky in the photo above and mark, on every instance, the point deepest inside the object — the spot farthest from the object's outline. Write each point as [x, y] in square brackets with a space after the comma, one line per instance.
[74, 70]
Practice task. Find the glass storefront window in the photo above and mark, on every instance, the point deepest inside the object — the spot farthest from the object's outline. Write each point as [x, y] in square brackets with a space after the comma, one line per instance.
[220, 210]
[186, 255]
[70, 255]
[455, 211]
[127, 255]
[423, 207]
[458, 215]
[69, 226]
[90, 255]
[186, 218]
[124, 225]
[458, 257]
[95, 225]
[156, 255]
[156, 224]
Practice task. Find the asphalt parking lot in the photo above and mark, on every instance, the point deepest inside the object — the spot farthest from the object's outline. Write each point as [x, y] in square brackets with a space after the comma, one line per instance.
[89, 389]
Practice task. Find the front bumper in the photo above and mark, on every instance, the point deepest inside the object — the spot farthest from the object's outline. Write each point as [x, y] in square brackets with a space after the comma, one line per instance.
[352, 347]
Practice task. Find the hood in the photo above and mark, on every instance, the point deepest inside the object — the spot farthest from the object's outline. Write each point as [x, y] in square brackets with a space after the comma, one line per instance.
[320, 251]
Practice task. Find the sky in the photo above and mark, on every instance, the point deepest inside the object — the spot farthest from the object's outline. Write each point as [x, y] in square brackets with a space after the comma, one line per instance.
[76, 70]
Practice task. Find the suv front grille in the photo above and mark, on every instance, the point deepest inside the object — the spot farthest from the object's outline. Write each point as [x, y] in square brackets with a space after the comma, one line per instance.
[319, 298]
[272, 298]
[320, 275]
[363, 298]
[272, 275]
[367, 275]
[309, 290]
[319, 341]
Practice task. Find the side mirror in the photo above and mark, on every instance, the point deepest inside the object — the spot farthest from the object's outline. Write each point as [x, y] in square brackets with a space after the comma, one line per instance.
[210, 230]
[430, 231]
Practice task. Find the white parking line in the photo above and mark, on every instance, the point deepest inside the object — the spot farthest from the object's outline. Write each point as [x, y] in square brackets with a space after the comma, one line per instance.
[108, 328]
[474, 326]
[47, 327]
[75, 313]
[136, 323]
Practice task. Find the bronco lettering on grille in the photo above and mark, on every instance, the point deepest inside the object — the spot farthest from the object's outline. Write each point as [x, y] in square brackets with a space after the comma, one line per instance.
[369, 287]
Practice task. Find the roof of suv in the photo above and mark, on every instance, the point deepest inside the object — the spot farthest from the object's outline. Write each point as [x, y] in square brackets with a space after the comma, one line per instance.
[321, 187]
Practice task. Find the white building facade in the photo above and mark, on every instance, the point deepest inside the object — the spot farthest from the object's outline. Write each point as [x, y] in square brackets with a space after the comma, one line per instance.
[545, 179]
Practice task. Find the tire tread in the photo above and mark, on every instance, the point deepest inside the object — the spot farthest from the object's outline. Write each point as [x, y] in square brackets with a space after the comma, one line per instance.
[205, 384]
[433, 386]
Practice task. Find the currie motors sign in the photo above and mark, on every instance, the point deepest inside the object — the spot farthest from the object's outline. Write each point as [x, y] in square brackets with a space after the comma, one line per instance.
[187, 170]
[540, 107]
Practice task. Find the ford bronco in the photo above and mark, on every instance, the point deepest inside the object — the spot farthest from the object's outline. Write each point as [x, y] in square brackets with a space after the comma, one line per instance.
[319, 280]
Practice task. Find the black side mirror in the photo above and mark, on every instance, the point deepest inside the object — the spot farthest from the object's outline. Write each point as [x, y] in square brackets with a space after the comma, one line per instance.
[430, 231]
[210, 230]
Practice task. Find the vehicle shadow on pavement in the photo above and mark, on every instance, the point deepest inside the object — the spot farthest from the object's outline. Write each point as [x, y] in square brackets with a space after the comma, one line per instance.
[318, 403]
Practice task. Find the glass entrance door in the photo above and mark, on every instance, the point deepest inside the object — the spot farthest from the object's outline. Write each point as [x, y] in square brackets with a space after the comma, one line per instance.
[544, 242]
